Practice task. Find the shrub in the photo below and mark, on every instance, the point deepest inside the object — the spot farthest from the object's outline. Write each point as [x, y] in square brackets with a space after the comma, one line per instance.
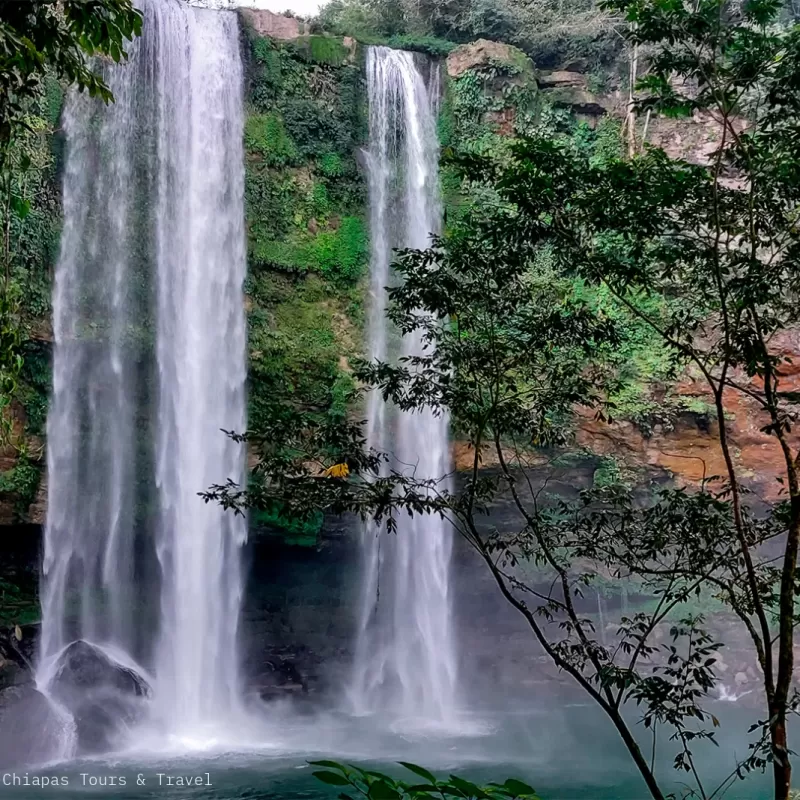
[330, 165]
[341, 255]
[327, 50]
[266, 135]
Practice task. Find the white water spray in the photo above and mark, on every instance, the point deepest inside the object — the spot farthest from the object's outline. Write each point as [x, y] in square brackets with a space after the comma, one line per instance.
[149, 367]
[405, 654]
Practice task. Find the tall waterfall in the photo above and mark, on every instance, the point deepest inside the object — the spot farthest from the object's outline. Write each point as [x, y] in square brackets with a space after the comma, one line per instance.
[405, 655]
[149, 367]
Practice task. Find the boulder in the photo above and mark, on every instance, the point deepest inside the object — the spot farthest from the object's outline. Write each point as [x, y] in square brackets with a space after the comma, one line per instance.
[104, 697]
[31, 730]
[561, 79]
[276, 26]
[483, 53]
[280, 677]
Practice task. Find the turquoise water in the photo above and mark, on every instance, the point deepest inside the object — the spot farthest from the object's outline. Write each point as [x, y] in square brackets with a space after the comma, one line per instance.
[568, 753]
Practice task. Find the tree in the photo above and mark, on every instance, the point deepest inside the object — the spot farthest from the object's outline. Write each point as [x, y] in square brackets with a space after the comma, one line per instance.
[512, 351]
[719, 245]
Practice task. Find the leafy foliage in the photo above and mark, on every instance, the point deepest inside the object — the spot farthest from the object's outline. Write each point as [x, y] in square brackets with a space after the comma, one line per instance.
[357, 782]
[37, 38]
[265, 135]
[307, 241]
[552, 33]
[21, 482]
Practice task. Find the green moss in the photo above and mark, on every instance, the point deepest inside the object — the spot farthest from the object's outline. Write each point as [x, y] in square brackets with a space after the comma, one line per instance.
[266, 135]
[307, 241]
[339, 254]
[296, 344]
[319, 205]
[34, 385]
[287, 255]
[53, 101]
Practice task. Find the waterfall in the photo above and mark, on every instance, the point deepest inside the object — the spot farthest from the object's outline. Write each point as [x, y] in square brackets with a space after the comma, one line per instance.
[405, 661]
[149, 368]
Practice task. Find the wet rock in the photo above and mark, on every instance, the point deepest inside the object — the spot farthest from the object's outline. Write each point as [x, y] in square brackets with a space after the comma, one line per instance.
[31, 731]
[578, 100]
[741, 679]
[17, 647]
[104, 697]
[279, 678]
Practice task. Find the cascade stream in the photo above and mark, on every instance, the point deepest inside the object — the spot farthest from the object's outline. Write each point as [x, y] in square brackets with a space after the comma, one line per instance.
[405, 655]
[149, 368]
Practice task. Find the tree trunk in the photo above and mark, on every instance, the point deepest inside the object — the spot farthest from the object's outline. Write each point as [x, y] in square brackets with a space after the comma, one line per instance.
[781, 766]
[636, 754]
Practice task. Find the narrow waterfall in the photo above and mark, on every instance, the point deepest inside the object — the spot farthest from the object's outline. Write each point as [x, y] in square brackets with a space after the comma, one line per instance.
[200, 253]
[405, 654]
[149, 367]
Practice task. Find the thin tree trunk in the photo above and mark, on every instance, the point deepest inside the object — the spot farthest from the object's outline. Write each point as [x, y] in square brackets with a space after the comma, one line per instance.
[782, 767]
[630, 119]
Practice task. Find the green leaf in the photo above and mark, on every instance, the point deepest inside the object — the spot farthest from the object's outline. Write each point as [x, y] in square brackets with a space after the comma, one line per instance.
[519, 788]
[331, 778]
[380, 790]
[417, 770]
[328, 764]
[20, 206]
[469, 789]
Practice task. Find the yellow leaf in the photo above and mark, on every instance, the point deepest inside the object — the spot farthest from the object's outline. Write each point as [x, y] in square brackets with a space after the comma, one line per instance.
[337, 471]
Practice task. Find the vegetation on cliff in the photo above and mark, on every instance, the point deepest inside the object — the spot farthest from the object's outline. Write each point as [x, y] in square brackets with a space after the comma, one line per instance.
[307, 238]
[552, 33]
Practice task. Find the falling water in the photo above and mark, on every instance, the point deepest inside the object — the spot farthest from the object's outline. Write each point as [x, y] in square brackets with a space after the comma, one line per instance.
[405, 655]
[201, 346]
[149, 367]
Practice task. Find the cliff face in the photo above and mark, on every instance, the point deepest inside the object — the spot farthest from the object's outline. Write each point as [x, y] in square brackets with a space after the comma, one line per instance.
[306, 216]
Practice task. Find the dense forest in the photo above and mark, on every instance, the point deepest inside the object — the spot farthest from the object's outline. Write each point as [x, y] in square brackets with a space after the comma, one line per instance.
[554, 35]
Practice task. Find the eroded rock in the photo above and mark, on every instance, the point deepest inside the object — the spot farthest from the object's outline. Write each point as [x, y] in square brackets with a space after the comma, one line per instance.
[483, 53]
[560, 79]
[276, 26]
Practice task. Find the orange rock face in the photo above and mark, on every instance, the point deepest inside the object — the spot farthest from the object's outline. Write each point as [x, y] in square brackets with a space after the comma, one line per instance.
[276, 26]
[690, 450]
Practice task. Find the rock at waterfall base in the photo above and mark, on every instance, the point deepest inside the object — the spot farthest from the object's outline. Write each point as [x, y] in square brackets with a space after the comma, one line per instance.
[105, 698]
[30, 729]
